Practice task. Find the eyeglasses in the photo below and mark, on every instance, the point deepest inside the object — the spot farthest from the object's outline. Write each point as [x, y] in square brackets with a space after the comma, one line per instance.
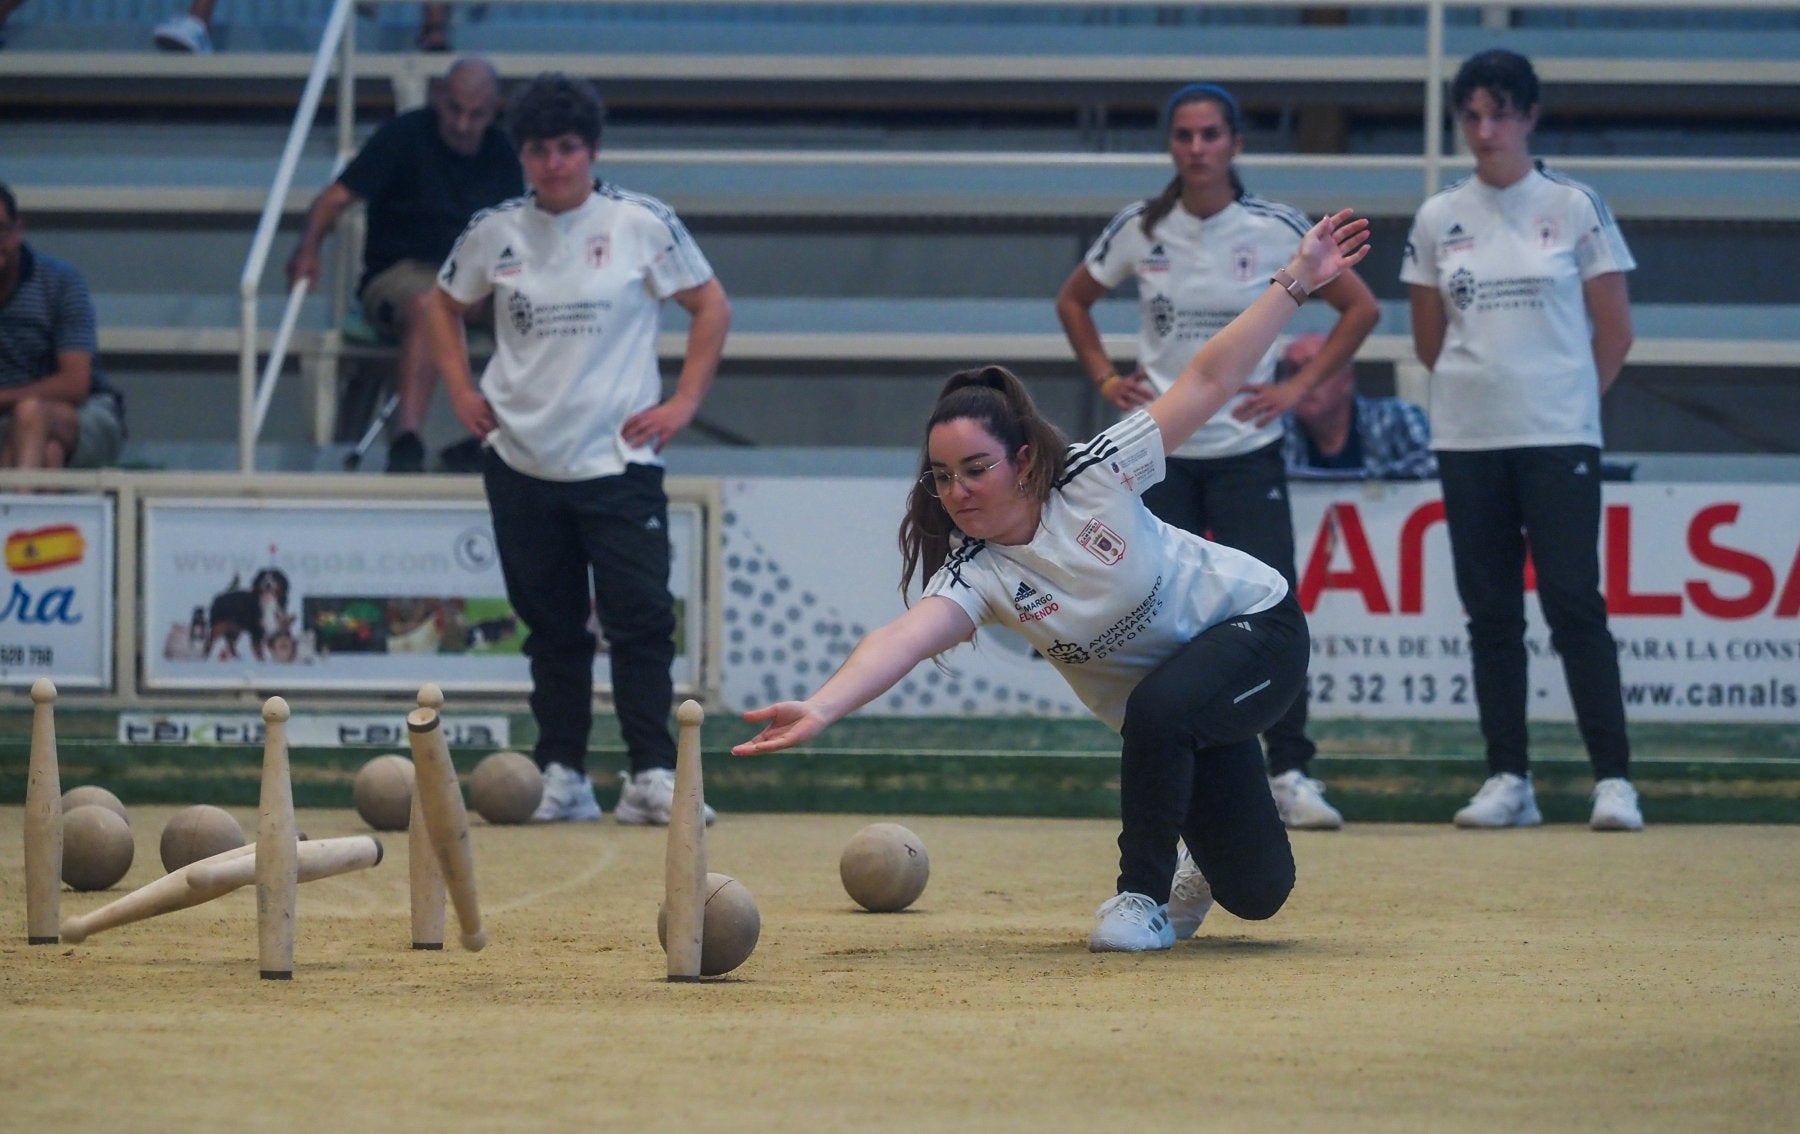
[938, 481]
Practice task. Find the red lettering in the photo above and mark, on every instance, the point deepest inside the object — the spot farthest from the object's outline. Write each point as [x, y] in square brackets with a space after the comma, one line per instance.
[1758, 574]
[1788, 605]
[1412, 555]
[1619, 596]
[1343, 521]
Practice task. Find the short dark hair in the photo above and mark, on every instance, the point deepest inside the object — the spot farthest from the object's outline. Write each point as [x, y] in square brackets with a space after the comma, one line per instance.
[554, 104]
[11, 202]
[1507, 75]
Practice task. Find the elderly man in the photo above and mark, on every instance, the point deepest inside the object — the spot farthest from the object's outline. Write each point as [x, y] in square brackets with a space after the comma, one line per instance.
[56, 410]
[1334, 432]
[423, 174]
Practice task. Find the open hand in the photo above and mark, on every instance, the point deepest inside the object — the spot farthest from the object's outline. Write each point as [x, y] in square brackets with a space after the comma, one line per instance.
[788, 723]
[1337, 242]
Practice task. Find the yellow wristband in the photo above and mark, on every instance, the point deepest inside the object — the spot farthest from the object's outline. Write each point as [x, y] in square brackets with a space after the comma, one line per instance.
[1109, 380]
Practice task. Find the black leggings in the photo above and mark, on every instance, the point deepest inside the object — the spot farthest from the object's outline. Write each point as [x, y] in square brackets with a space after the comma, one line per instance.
[1192, 767]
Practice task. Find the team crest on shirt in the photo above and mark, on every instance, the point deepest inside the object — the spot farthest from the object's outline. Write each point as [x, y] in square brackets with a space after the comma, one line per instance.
[1243, 263]
[599, 250]
[1101, 542]
[1462, 289]
[1067, 653]
[1032, 604]
[518, 308]
[1548, 231]
[1162, 315]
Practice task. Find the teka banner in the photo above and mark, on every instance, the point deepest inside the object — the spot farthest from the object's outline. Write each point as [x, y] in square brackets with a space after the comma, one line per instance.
[56, 612]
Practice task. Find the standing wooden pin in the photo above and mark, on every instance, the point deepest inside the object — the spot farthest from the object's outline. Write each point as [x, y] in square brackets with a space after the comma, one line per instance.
[684, 860]
[423, 872]
[43, 821]
[277, 851]
[434, 779]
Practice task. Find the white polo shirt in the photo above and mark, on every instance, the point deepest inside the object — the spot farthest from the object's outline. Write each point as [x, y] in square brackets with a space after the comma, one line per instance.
[577, 299]
[1517, 365]
[1193, 277]
[1104, 589]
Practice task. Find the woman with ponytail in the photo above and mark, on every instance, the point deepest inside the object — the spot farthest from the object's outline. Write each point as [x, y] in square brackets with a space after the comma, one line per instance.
[1200, 252]
[1186, 647]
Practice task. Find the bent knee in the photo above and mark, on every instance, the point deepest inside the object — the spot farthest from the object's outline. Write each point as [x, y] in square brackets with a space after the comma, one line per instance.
[1257, 900]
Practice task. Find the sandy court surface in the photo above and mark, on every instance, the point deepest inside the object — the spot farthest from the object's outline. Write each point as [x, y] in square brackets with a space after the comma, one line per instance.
[1419, 979]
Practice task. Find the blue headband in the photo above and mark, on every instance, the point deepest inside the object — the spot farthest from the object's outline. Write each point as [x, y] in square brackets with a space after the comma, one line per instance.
[1196, 91]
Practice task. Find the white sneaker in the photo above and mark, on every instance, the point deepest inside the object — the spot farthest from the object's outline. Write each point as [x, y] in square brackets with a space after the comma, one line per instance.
[1504, 800]
[1616, 806]
[1131, 923]
[185, 34]
[1301, 802]
[1190, 898]
[568, 797]
[649, 797]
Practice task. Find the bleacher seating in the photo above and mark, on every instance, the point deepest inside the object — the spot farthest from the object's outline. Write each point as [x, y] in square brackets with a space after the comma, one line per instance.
[890, 190]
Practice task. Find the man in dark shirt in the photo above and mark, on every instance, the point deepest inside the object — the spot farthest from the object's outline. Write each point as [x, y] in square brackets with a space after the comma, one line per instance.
[55, 408]
[423, 175]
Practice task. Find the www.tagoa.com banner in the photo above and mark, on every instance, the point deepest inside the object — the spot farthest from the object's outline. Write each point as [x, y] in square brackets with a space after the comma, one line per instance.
[377, 595]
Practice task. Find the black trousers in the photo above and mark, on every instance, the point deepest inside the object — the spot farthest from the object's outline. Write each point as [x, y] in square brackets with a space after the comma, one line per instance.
[1242, 502]
[1191, 764]
[1497, 503]
[568, 548]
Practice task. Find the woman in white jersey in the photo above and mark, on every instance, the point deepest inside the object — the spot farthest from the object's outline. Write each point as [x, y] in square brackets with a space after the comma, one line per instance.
[1520, 311]
[1199, 253]
[1188, 648]
[572, 413]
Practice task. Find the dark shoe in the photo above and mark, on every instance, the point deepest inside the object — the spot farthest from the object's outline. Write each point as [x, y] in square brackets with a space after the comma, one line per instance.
[406, 454]
[462, 457]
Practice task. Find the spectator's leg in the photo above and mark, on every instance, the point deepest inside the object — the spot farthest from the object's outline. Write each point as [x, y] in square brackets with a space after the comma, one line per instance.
[44, 433]
[416, 378]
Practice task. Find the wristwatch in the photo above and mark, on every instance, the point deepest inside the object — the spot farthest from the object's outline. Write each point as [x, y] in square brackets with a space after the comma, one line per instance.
[1285, 280]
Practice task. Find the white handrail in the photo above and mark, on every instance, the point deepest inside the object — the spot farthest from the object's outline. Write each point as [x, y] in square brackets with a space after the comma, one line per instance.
[250, 283]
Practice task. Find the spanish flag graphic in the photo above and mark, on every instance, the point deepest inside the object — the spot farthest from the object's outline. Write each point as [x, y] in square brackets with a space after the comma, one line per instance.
[43, 548]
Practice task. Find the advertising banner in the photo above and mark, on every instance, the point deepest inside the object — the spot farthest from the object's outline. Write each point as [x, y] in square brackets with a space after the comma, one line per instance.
[56, 609]
[1702, 584]
[372, 595]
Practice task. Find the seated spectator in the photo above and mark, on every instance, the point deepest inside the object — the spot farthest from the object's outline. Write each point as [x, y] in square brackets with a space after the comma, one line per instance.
[423, 175]
[1335, 432]
[192, 33]
[56, 411]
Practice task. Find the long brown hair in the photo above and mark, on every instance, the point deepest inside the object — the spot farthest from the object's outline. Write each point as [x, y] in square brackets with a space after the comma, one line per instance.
[1161, 205]
[994, 398]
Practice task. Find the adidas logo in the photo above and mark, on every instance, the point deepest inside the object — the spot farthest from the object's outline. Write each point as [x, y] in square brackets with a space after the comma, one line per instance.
[1241, 625]
[1025, 591]
[1580, 469]
[653, 525]
[506, 253]
[1274, 494]
[1455, 230]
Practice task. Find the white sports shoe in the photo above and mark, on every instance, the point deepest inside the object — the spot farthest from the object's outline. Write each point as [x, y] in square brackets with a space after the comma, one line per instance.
[648, 797]
[1131, 923]
[1505, 800]
[1616, 806]
[568, 797]
[184, 34]
[1301, 801]
[1190, 898]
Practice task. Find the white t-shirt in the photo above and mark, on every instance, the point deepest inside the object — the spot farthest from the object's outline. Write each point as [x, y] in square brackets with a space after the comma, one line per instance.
[1517, 366]
[577, 297]
[1194, 277]
[1106, 590]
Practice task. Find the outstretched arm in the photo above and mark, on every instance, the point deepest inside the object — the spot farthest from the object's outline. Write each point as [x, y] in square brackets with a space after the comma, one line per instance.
[883, 657]
[1218, 368]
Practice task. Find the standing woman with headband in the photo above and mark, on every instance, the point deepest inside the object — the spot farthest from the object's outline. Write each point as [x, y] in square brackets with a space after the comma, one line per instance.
[1201, 252]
